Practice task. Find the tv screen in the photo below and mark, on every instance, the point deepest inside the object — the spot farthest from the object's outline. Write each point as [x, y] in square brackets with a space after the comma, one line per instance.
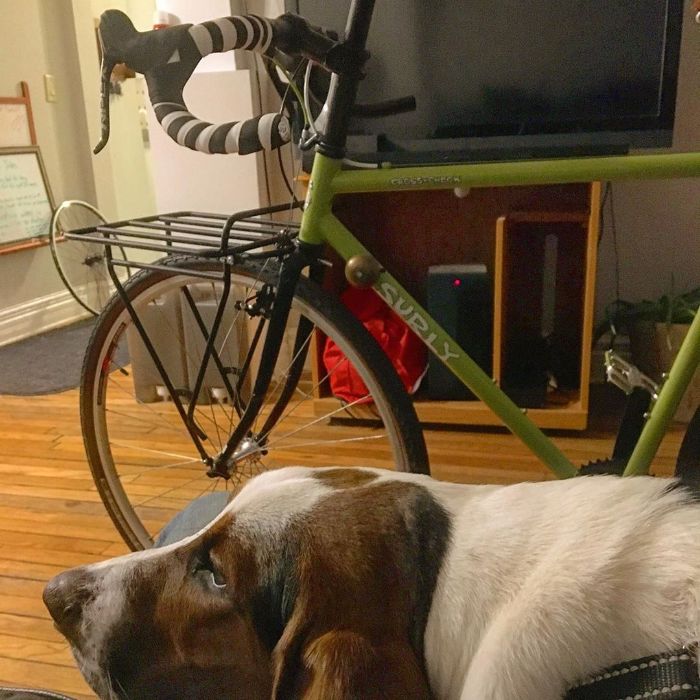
[517, 77]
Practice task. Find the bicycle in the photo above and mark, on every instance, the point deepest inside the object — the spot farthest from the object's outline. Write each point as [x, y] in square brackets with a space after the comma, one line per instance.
[242, 297]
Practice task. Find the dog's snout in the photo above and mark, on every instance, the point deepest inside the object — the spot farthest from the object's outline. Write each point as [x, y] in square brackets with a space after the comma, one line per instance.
[65, 596]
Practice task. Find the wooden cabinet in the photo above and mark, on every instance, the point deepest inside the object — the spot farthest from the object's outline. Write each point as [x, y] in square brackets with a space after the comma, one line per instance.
[539, 245]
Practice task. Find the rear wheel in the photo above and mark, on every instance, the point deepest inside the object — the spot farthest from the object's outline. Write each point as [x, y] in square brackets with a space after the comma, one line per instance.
[81, 264]
[146, 465]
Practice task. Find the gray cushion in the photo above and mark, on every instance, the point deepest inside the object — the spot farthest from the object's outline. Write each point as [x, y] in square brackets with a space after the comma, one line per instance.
[197, 514]
[27, 694]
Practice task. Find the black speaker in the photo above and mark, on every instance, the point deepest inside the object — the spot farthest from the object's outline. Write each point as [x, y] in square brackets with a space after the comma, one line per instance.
[460, 299]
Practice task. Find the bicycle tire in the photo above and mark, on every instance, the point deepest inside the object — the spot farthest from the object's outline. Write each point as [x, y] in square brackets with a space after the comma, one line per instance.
[83, 271]
[112, 455]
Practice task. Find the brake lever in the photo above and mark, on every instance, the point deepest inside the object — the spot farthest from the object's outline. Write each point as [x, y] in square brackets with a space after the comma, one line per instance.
[120, 30]
[105, 79]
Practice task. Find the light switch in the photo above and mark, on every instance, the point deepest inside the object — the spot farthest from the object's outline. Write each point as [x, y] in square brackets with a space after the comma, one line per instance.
[50, 88]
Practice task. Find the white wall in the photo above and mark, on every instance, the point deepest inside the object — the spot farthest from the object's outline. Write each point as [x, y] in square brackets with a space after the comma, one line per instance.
[658, 222]
[188, 180]
[217, 92]
[123, 172]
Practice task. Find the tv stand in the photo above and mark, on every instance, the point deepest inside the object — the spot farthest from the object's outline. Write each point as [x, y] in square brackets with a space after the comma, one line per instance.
[539, 247]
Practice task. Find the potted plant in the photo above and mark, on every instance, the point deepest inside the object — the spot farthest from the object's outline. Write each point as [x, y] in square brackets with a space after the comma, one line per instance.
[656, 329]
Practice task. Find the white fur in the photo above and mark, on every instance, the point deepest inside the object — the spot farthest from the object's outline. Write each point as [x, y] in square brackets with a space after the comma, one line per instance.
[268, 502]
[546, 583]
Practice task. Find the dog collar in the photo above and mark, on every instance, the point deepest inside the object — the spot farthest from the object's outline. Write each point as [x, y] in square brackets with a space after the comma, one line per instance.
[669, 676]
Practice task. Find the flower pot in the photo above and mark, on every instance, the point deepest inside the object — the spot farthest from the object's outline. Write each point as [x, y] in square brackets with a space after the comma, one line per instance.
[642, 336]
[654, 347]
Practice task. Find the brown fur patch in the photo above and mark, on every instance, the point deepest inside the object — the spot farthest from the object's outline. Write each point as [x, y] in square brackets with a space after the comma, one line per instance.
[216, 633]
[347, 662]
[208, 639]
[367, 567]
[190, 640]
[344, 478]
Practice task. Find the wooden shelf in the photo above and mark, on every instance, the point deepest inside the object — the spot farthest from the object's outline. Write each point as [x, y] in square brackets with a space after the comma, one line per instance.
[570, 417]
[539, 245]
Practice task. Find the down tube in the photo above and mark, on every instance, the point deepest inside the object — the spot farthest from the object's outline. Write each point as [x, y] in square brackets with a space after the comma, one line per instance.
[439, 342]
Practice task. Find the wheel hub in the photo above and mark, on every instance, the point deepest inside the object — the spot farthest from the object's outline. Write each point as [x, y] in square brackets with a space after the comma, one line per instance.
[248, 453]
[91, 260]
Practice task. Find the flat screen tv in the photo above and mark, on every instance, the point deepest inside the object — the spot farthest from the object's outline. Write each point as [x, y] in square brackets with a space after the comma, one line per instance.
[515, 78]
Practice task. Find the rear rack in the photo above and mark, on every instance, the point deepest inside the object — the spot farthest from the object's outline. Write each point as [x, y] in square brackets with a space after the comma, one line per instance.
[249, 234]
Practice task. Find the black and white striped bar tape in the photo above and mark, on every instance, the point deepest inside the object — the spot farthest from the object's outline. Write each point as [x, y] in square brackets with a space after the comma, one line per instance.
[268, 131]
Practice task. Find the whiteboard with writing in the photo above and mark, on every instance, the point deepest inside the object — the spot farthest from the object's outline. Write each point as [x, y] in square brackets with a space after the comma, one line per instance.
[25, 199]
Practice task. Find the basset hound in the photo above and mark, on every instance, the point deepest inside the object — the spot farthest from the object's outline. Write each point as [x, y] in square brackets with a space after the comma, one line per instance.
[340, 584]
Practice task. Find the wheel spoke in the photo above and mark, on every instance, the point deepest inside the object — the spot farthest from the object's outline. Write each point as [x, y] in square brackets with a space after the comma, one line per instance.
[310, 394]
[172, 490]
[140, 448]
[327, 416]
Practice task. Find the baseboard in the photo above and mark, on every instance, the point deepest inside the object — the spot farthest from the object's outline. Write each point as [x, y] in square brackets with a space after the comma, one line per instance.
[39, 315]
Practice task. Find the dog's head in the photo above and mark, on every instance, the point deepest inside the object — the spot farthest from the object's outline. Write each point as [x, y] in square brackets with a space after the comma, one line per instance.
[312, 583]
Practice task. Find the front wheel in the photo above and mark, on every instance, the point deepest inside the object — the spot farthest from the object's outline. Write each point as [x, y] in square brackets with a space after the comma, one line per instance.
[143, 458]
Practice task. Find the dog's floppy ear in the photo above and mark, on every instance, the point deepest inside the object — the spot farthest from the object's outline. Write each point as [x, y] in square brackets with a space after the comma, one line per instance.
[345, 665]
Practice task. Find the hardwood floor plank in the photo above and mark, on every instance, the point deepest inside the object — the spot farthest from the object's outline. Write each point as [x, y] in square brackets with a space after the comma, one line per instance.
[20, 672]
[32, 555]
[21, 605]
[42, 651]
[45, 524]
[99, 538]
[29, 571]
[62, 542]
[28, 627]
[56, 506]
[25, 587]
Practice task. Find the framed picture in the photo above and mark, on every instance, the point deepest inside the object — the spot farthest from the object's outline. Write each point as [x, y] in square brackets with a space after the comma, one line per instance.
[16, 122]
[26, 203]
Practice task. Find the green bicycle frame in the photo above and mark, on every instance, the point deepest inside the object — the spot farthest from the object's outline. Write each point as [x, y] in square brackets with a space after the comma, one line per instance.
[320, 226]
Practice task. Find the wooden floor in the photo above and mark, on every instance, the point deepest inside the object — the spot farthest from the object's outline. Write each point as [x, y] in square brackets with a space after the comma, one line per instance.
[51, 517]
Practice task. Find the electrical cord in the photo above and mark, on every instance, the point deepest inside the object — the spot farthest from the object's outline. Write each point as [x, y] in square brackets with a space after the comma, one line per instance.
[608, 201]
[291, 85]
[613, 226]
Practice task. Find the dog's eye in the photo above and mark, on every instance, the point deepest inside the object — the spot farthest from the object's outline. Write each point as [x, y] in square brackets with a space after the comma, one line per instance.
[216, 579]
[204, 566]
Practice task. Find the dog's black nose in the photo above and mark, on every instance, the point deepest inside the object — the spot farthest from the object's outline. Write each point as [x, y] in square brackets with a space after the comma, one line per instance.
[65, 596]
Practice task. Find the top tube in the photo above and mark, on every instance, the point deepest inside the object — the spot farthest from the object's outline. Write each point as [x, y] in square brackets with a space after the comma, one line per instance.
[523, 172]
